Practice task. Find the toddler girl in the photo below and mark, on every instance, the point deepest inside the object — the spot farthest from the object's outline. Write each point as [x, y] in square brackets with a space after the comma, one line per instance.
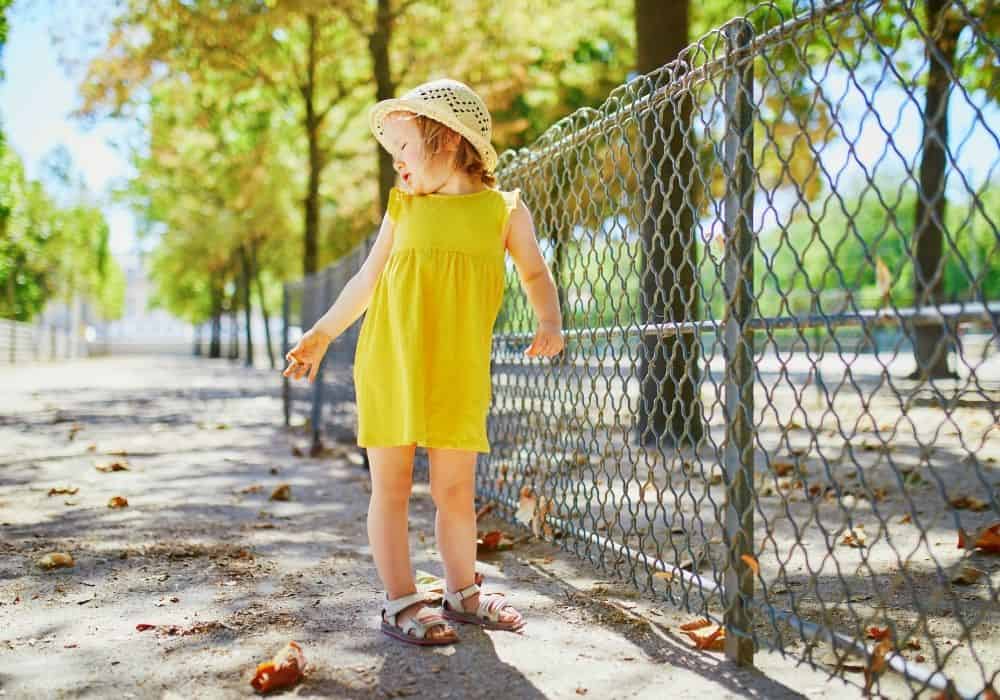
[432, 286]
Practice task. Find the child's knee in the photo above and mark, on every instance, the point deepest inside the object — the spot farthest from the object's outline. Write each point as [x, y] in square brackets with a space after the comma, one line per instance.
[453, 494]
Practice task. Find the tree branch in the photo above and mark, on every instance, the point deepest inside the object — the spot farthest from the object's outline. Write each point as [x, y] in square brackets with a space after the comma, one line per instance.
[343, 90]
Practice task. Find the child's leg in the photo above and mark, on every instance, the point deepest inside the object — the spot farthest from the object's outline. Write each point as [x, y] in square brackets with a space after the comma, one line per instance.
[388, 531]
[453, 485]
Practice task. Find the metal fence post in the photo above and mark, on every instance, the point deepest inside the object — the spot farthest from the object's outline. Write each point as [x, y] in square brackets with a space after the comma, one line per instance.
[317, 392]
[285, 387]
[738, 342]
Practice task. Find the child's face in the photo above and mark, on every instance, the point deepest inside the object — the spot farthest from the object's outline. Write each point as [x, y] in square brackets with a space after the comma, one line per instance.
[420, 172]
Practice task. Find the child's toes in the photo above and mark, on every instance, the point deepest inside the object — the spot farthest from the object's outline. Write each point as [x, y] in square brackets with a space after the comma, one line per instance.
[438, 632]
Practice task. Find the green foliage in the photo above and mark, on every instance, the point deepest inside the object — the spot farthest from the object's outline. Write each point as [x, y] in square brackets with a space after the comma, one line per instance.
[828, 250]
[48, 251]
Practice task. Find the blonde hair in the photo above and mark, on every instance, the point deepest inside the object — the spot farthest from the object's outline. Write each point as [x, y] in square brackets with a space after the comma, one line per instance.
[467, 158]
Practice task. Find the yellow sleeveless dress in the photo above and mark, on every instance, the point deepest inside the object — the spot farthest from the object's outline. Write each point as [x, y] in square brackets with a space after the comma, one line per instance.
[422, 362]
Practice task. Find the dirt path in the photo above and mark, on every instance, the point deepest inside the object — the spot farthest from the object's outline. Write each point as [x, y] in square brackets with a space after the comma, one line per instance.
[201, 546]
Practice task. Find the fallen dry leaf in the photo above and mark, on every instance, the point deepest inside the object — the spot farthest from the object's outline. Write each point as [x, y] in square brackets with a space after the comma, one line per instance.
[716, 641]
[752, 563]
[969, 503]
[878, 633]
[178, 631]
[539, 526]
[877, 664]
[988, 540]
[70, 490]
[987, 694]
[854, 538]
[666, 575]
[282, 493]
[117, 465]
[117, 502]
[696, 625]
[55, 560]
[284, 670]
[967, 575]
[493, 541]
[526, 506]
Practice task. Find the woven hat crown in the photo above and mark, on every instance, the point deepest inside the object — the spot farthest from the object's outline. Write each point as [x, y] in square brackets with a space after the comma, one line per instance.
[451, 102]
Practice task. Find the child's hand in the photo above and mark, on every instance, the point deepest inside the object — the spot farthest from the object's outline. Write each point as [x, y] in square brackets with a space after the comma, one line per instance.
[307, 354]
[548, 340]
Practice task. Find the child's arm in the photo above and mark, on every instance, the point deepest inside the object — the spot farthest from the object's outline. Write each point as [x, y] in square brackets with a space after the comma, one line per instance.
[537, 282]
[354, 297]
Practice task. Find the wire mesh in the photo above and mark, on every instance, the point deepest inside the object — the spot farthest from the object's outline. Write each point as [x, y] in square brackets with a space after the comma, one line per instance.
[778, 402]
[327, 406]
[778, 261]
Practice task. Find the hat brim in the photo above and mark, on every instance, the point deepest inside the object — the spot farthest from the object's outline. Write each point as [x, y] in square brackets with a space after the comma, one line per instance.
[380, 109]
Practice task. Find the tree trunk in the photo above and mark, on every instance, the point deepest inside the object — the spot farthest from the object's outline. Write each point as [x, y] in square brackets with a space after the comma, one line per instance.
[215, 343]
[670, 411]
[378, 45]
[930, 341]
[255, 270]
[234, 320]
[247, 308]
[311, 259]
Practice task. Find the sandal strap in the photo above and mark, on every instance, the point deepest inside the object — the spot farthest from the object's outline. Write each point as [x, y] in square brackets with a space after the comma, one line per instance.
[423, 624]
[456, 597]
[392, 607]
[491, 604]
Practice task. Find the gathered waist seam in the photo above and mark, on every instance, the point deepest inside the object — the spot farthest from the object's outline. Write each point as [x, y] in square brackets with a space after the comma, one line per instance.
[430, 249]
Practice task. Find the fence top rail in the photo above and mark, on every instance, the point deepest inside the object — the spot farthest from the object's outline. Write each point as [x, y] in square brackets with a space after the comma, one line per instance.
[720, 58]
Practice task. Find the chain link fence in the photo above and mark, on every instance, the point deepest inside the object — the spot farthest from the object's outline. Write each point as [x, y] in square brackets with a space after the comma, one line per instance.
[778, 260]
[327, 405]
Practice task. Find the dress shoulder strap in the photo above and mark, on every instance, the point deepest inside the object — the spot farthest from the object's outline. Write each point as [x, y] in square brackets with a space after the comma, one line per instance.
[511, 200]
[395, 205]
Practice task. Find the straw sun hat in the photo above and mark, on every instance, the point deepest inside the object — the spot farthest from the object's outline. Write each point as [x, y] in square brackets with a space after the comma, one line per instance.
[448, 101]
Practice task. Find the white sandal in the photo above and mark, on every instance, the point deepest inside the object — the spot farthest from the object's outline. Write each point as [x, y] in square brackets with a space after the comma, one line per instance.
[487, 613]
[420, 622]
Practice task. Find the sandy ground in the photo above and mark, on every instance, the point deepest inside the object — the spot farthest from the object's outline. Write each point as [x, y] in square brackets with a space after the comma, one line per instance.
[871, 452]
[202, 547]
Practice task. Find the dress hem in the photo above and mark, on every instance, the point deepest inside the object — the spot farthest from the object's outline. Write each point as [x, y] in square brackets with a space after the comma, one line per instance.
[434, 444]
